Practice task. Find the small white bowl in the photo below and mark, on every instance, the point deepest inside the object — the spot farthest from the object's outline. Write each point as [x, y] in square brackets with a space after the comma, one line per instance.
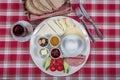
[72, 45]
[43, 56]
[37, 39]
[60, 56]
[51, 38]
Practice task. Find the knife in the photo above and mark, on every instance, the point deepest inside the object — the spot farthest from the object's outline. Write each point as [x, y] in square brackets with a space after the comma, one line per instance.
[91, 21]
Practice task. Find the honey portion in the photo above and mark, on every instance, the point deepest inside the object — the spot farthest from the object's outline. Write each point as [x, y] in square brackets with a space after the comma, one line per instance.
[54, 41]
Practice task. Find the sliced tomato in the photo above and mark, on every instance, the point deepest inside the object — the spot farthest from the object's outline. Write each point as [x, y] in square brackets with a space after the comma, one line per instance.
[56, 64]
[60, 61]
[53, 61]
[52, 68]
[60, 67]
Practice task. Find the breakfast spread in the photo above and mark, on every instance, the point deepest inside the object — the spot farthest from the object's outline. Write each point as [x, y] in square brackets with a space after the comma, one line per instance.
[58, 44]
[61, 45]
[69, 47]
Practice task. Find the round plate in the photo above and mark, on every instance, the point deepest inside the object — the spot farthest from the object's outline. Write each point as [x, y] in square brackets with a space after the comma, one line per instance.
[40, 61]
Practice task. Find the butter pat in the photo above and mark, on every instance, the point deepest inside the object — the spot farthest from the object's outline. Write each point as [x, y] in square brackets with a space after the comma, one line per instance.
[44, 51]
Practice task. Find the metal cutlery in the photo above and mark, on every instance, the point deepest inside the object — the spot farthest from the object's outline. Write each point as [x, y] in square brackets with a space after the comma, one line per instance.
[80, 15]
[91, 21]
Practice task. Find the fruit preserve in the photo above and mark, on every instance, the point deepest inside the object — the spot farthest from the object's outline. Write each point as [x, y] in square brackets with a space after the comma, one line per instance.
[55, 53]
[19, 30]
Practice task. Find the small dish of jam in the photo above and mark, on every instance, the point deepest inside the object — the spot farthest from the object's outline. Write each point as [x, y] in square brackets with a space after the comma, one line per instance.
[55, 53]
[21, 31]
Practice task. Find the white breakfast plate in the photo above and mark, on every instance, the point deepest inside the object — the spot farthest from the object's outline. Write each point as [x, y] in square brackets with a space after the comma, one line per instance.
[40, 61]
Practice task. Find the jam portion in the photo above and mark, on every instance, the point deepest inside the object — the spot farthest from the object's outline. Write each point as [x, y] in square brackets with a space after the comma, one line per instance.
[55, 53]
[19, 30]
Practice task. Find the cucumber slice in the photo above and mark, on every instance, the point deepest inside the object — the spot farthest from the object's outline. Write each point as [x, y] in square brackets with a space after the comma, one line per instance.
[47, 63]
[66, 67]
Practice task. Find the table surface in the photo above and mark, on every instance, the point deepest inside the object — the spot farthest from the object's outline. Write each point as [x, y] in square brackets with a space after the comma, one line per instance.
[104, 59]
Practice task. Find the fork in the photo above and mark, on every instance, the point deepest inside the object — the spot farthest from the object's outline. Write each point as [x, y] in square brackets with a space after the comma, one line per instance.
[80, 15]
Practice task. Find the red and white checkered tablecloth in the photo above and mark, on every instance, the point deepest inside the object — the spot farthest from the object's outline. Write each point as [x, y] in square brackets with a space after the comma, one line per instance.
[102, 64]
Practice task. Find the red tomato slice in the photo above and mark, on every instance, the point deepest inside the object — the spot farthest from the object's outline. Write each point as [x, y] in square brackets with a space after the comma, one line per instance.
[53, 61]
[52, 68]
[60, 67]
[60, 61]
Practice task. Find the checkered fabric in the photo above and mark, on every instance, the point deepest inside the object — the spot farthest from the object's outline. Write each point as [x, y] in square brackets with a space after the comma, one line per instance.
[104, 59]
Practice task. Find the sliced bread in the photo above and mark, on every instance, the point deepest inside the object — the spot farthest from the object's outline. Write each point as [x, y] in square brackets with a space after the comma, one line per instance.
[46, 4]
[31, 8]
[39, 6]
[65, 9]
[56, 3]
